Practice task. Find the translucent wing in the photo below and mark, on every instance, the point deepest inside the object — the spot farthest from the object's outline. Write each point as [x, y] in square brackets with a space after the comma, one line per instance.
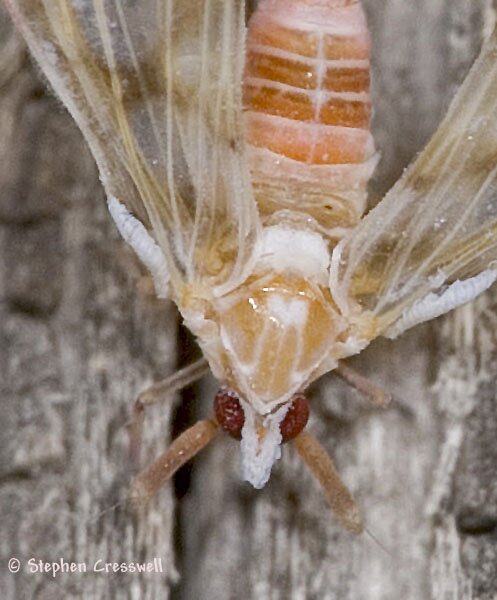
[155, 87]
[431, 243]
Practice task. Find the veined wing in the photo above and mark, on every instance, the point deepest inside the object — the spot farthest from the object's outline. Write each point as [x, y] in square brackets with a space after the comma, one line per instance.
[431, 243]
[155, 86]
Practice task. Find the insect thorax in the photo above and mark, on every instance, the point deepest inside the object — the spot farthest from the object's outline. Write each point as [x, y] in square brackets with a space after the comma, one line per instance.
[272, 335]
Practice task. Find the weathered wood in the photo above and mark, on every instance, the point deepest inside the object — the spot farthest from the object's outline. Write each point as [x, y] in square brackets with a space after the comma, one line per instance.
[78, 342]
[79, 339]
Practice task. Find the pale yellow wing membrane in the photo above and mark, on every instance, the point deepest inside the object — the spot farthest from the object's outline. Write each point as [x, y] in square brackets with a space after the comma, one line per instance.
[438, 224]
[155, 86]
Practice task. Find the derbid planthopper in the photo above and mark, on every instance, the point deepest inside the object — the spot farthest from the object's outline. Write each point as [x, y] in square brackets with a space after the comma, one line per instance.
[236, 161]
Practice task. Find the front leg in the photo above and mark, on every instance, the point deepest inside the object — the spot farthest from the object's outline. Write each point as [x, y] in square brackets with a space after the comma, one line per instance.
[377, 395]
[160, 391]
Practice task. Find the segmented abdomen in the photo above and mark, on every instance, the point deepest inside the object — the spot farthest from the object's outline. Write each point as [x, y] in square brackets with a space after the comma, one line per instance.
[307, 102]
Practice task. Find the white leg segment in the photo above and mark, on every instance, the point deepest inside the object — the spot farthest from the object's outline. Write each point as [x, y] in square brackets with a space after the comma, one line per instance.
[434, 305]
[145, 247]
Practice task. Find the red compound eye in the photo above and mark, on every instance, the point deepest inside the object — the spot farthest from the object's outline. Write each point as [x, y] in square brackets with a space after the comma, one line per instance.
[295, 419]
[230, 416]
[229, 412]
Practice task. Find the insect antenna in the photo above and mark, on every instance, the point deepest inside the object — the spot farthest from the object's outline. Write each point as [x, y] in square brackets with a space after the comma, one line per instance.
[339, 497]
[183, 448]
[109, 509]
[377, 541]
[321, 466]
[148, 482]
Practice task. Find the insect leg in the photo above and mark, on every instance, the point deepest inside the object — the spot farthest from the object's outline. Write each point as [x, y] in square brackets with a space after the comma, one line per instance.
[147, 483]
[340, 499]
[160, 391]
[376, 394]
[134, 233]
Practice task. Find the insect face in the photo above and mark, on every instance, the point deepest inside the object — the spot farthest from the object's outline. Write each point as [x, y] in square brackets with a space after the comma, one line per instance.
[230, 415]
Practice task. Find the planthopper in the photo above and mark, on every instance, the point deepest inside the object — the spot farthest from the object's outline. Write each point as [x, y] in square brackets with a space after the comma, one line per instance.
[236, 158]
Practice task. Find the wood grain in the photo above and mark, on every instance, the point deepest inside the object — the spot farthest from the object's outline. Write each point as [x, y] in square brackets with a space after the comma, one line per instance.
[78, 341]
[79, 338]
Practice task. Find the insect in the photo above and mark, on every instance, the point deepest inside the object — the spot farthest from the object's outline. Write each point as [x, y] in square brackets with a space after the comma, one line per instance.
[236, 165]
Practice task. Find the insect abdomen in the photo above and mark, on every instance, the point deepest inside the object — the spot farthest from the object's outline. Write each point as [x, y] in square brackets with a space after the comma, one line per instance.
[307, 101]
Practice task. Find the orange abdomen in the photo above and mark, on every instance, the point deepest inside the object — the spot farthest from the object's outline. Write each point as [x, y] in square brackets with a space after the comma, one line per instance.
[306, 96]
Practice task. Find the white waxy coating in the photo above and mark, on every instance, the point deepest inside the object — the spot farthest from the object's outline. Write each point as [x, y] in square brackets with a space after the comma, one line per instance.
[258, 456]
[434, 305]
[134, 233]
[304, 252]
[339, 18]
[288, 312]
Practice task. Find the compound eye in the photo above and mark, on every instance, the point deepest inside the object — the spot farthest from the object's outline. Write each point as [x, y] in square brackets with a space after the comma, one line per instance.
[295, 419]
[230, 416]
[229, 412]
